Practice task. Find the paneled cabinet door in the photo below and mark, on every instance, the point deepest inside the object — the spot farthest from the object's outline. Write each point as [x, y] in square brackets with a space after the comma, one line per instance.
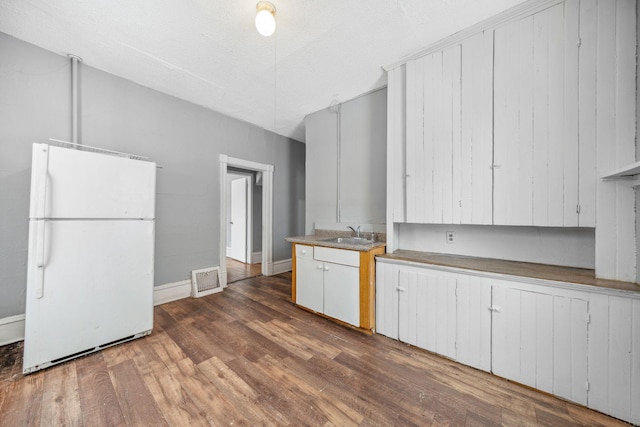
[473, 339]
[448, 147]
[432, 136]
[387, 299]
[427, 311]
[536, 152]
[309, 284]
[541, 340]
[342, 292]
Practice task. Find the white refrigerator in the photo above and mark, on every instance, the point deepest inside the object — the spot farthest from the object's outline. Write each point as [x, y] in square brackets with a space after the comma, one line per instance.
[91, 252]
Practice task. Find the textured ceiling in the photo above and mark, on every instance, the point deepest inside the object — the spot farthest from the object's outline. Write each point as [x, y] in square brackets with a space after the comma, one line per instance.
[209, 53]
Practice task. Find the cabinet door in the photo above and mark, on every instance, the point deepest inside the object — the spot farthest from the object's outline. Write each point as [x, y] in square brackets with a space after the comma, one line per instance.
[342, 293]
[473, 179]
[536, 154]
[427, 311]
[387, 299]
[309, 287]
[614, 356]
[473, 332]
[433, 137]
[541, 340]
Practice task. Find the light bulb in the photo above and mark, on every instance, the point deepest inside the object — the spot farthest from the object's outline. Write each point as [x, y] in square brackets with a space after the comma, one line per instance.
[265, 19]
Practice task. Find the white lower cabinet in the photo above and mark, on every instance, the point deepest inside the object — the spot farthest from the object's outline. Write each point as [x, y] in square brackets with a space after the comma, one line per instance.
[427, 311]
[309, 278]
[473, 320]
[417, 306]
[328, 281]
[540, 340]
[342, 293]
[576, 342]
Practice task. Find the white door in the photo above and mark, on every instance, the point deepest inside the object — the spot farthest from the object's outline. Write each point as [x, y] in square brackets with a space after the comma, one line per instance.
[94, 286]
[238, 222]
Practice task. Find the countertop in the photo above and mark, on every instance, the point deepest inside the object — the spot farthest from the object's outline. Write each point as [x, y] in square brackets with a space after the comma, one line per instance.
[580, 276]
[321, 240]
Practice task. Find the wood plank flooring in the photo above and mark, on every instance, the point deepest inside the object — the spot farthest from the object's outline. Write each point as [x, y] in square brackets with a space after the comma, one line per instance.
[237, 270]
[248, 356]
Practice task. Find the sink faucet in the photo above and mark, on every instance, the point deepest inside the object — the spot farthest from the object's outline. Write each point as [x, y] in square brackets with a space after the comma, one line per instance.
[355, 230]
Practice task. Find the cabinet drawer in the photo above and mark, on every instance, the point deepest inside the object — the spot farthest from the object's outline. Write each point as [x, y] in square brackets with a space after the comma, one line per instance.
[303, 251]
[337, 256]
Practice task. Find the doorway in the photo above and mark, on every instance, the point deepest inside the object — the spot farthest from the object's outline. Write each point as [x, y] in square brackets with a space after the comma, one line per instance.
[244, 227]
[228, 164]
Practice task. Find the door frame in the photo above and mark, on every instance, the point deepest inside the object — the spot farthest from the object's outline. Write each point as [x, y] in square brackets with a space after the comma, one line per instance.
[267, 212]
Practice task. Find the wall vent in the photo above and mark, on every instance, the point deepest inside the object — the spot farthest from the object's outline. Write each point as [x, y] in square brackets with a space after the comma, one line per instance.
[205, 282]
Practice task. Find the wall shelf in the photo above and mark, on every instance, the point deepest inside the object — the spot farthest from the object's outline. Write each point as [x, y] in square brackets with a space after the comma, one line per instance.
[624, 172]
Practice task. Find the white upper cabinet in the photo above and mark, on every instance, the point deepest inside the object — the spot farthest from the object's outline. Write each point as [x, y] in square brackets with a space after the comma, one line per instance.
[433, 136]
[472, 168]
[536, 148]
[502, 126]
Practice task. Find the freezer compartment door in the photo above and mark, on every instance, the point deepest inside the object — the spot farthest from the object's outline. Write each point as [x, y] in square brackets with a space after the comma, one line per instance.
[70, 183]
[89, 283]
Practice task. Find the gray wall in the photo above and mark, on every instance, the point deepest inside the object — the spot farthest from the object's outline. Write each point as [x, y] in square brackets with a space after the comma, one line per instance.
[121, 115]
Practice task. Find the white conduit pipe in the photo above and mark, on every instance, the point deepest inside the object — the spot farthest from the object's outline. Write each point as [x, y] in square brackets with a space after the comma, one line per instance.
[75, 99]
[335, 108]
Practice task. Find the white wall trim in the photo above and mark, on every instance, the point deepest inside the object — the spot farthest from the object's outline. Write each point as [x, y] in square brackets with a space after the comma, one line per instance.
[256, 257]
[519, 11]
[267, 211]
[11, 329]
[282, 266]
[171, 292]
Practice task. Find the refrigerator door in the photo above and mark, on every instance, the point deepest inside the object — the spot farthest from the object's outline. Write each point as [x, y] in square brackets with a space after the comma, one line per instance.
[89, 283]
[70, 183]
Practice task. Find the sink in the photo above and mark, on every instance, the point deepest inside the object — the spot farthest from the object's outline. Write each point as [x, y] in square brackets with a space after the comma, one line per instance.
[350, 240]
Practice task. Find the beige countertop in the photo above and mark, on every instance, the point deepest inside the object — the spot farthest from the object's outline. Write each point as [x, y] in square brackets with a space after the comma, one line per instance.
[580, 276]
[321, 240]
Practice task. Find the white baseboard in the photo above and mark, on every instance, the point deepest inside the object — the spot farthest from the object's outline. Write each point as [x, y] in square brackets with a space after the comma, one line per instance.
[281, 266]
[256, 258]
[171, 292]
[11, 329]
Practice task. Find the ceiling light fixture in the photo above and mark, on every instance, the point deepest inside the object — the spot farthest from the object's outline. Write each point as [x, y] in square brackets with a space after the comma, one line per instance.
[266, 18]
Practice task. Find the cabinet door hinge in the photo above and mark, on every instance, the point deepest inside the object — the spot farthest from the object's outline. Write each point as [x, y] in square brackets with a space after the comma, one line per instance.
[578, 209]
[586, 385]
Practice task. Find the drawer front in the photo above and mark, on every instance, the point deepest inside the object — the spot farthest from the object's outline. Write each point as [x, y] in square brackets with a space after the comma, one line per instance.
[304, 251]
[337, 256]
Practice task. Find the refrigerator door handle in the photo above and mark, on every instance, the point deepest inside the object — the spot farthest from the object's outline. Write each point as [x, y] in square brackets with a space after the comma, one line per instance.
[40, 257]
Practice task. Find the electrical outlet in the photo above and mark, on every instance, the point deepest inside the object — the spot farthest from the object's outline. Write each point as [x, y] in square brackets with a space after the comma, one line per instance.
[451, 236]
